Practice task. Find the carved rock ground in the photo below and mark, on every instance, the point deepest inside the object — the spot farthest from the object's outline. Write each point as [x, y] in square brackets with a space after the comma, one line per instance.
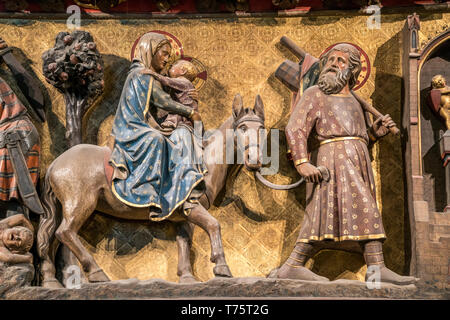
[14, 277]
[229, 288]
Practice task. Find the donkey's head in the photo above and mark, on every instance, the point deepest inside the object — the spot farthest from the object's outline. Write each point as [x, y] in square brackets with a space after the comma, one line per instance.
[248, 125]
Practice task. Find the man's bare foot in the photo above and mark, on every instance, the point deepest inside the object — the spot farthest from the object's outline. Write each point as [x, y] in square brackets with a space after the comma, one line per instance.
[298, 273]
[389, 276]
[188, 278]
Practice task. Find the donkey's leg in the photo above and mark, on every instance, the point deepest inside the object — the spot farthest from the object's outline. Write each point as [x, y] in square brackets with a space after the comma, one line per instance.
[184, 242]
[48, 270]
[75, 215]
[201, 217]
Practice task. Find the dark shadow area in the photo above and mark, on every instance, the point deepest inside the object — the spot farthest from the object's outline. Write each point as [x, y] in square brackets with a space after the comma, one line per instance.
[125, 236]
[387, 98]
[115, 73]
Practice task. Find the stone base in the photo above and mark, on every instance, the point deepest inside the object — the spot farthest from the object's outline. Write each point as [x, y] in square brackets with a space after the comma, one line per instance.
[229, 288]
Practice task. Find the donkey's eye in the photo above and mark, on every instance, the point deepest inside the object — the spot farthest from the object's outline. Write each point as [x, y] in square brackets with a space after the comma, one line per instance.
[243, 128]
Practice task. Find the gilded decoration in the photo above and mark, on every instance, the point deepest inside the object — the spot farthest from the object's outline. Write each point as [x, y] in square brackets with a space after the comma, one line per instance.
[259, 225]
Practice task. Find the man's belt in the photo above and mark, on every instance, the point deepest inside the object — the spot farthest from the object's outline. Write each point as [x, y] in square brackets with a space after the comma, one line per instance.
[342, 139]
[25, 185]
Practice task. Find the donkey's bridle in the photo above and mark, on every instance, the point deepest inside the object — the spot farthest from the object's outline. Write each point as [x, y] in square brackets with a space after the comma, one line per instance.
[264, 181]
[247, 119]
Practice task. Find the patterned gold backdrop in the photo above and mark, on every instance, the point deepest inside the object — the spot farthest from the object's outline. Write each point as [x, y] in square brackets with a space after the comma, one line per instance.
[259, 225]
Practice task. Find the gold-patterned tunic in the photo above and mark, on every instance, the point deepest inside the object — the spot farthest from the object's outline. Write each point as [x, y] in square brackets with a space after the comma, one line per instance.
[344, 208]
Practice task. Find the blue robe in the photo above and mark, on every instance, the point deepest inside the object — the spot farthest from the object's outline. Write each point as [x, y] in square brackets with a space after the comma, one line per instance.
[162, 170]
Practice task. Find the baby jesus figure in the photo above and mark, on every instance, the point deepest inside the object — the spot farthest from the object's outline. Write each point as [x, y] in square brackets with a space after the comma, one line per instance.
[16, 240]
[181, 75]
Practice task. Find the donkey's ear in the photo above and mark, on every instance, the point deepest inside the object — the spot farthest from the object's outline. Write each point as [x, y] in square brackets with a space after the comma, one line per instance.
[237, 105]
[259, 107]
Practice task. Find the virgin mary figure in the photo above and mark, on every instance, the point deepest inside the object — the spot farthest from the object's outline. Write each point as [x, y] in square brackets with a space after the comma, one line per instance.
[156, 168]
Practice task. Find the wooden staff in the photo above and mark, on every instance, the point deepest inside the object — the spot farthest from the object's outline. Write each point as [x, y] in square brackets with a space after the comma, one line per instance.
[299, 53]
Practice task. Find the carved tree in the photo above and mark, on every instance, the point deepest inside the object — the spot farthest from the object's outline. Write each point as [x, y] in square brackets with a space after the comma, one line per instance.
[75, 67]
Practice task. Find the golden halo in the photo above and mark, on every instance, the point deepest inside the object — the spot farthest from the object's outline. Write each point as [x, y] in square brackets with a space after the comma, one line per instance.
[365, 64]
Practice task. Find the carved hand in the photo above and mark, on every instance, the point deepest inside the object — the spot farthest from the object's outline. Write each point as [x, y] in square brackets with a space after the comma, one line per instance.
[309, 172]
[381, 126]
[193, 94]
[196, 116]
[28, 258]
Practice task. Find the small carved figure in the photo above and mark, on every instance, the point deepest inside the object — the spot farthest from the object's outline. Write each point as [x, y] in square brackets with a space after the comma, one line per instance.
[16, 240]
[75, 67]
[440, 98]
[181, 73]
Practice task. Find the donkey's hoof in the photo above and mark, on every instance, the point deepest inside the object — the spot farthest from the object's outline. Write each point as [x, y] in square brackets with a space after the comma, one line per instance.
[52, 284]
[222, 270]
[189, 278]
[98, 276]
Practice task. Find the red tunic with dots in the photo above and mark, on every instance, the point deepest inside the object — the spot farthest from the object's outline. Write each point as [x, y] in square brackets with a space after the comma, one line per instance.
[344, 208]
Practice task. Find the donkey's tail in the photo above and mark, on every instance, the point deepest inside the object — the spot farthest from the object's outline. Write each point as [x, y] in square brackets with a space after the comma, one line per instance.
[48, 221]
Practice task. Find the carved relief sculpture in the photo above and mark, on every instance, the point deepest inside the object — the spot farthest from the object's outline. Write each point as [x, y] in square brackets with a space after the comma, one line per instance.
[137, 185]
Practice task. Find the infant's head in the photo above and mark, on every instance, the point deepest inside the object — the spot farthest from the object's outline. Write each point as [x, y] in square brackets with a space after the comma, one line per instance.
[18, 239]
[183, 68]
[438, 81]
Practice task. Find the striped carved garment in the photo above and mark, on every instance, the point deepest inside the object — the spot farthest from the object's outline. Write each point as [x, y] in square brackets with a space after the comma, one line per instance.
[13, 117]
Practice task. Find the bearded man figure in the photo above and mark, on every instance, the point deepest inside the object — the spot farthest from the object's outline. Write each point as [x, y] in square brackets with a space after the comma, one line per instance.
[328, 127]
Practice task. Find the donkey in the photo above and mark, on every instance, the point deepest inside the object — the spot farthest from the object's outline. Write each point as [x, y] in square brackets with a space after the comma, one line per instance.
[75, 185]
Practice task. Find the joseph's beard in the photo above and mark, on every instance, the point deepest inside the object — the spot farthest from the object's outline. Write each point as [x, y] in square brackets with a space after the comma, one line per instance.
[332, 83]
